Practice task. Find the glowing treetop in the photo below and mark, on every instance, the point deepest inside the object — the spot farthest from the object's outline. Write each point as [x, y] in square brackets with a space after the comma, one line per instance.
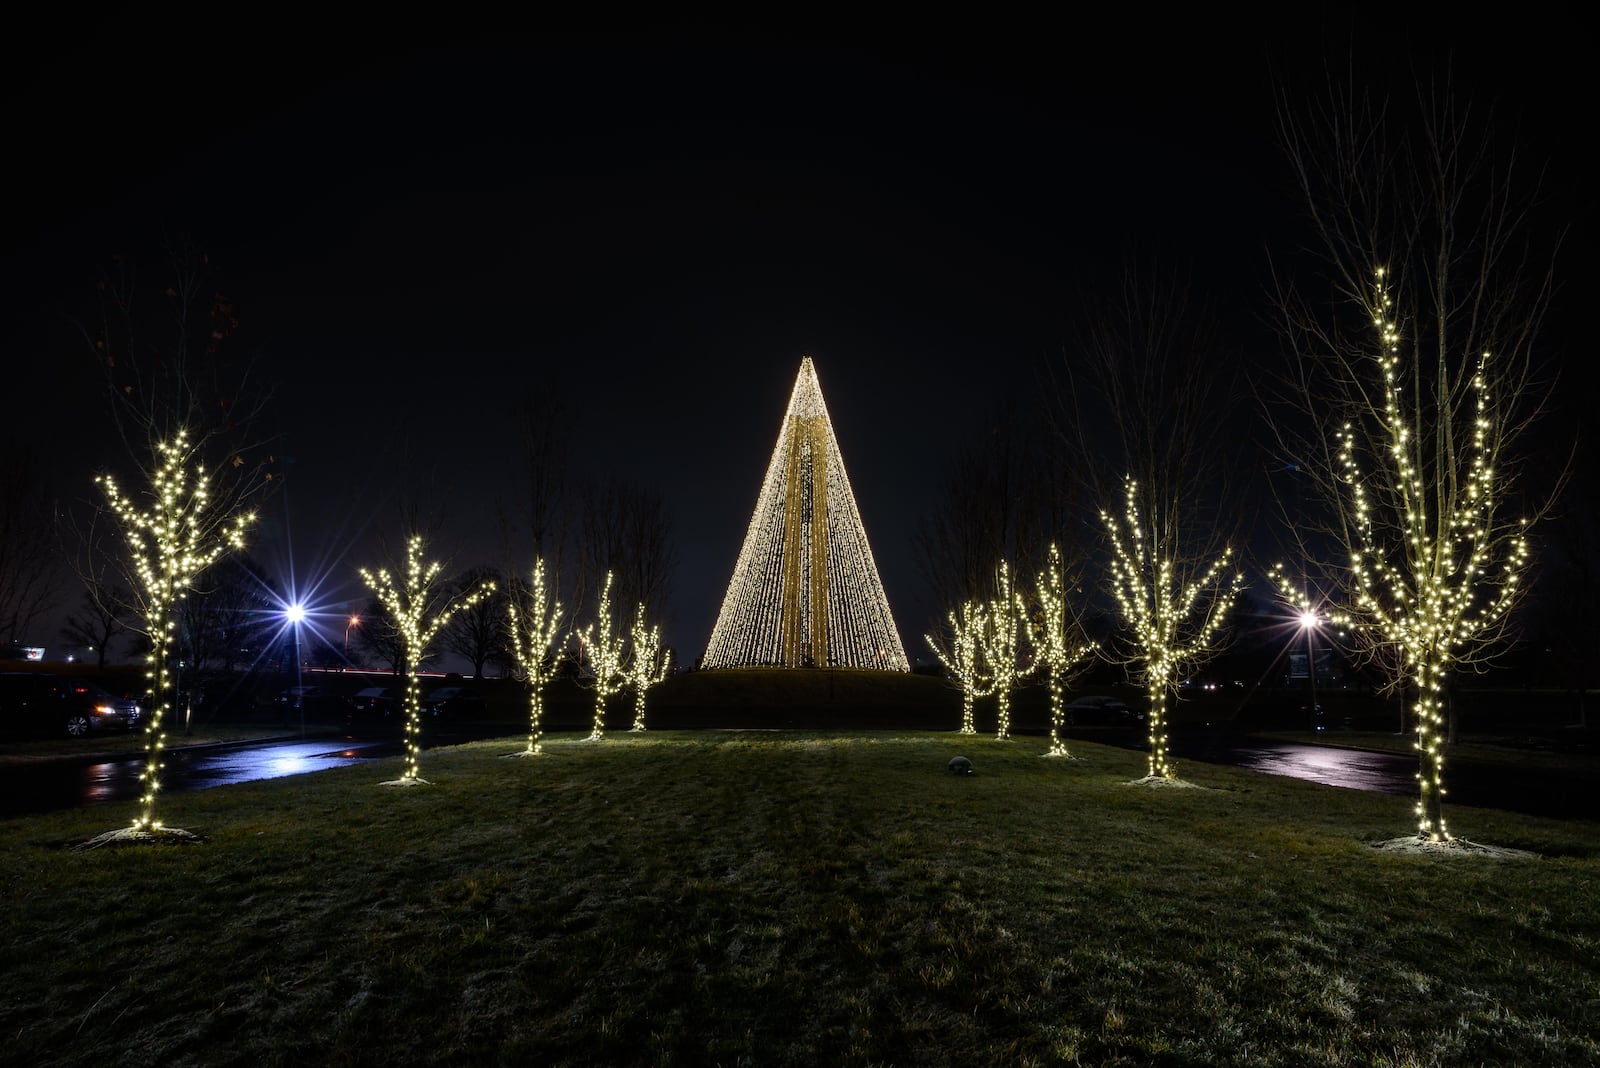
[806, 591]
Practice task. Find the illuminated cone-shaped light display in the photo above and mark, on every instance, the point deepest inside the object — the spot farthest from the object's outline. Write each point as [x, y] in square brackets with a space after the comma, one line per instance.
[806, 590]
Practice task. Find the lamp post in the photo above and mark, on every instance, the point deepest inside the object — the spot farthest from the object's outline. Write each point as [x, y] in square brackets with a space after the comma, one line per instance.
[1309, 623]
[296, 613]
[353, 621]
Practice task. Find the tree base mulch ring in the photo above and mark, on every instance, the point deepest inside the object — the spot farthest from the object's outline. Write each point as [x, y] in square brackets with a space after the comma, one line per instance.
[130, 836]
[1162, 782]
[1417, 845]
[406, 780]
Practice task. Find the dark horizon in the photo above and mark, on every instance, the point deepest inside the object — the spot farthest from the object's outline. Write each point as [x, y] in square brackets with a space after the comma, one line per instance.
[655, 231]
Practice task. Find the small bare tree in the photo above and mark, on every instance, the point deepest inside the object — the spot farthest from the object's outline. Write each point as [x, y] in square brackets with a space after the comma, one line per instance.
[477, 632]
[420, 609]
[648, 665]
[603, 649]
[535, 629]
[1057, 633]
[173, 532]
[1003, 640]
[1172, 613]
[961, 653]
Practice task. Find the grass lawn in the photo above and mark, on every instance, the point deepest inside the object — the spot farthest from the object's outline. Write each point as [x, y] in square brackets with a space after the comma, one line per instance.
[787, 897]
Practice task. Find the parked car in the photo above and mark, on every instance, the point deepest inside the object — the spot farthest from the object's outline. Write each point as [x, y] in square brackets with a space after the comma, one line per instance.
[1099, 711]
[312, 700]
[375, 702]
[453, 702]
[33, 703]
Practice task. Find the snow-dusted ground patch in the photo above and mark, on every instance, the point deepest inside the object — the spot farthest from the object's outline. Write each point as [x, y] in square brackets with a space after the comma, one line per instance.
[1417, 845]
[129, 836]
[1162, 782]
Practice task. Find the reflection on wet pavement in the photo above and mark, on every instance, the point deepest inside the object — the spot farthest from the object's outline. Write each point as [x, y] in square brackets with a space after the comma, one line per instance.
[49, 787]
[1355, 769]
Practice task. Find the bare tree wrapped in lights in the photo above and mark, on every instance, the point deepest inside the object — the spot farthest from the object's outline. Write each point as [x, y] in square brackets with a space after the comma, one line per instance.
[604, 650]
[170, 538]
[535, 627]
[419, 610]
[1002, 647]
[1059, 640]
[184, 418]
[962, 657]
[1147, 392]
[647, 663]
[1172, 609]
[1407, 397]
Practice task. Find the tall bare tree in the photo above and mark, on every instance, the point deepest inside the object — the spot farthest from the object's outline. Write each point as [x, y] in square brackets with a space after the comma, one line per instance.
[1005, 498]
[626, 533]
[1412, 381]
[30, 554]
[534, 622]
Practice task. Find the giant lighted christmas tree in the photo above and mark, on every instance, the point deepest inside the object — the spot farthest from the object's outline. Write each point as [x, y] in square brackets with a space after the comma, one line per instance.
[806, 590]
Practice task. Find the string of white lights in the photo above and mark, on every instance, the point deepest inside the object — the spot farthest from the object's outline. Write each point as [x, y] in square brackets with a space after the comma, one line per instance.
[169, 544]
[605, 653]
[1158, 608]
[647, 664]
[408, 600]
[534, 630]
[805, 589]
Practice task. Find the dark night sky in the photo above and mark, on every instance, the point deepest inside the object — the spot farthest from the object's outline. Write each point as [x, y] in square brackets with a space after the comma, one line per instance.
[657, 229]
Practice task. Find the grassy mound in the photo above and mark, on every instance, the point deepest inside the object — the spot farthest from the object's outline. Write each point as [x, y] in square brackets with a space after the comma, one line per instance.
[805, 898]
